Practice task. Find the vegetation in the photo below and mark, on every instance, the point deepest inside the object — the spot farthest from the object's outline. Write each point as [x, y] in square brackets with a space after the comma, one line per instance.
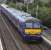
[44, 10]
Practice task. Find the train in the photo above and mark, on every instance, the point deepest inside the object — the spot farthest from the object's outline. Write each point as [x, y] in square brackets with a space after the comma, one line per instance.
[29, 27]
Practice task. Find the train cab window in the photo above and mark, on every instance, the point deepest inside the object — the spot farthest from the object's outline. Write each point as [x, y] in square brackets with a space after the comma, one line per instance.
[29, 25]
[36, 25]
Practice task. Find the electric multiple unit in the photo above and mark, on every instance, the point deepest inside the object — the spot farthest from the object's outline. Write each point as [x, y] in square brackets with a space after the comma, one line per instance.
[29, 27]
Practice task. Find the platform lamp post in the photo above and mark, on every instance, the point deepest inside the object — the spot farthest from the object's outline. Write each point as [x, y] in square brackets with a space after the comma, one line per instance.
[25, 2]
[28, 4]
[37, 9]
[35, 2]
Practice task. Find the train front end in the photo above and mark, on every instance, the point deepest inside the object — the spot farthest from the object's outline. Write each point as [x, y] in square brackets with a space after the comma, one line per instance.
[32, 30]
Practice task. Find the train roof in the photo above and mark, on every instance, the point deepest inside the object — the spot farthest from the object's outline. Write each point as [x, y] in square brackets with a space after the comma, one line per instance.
[22, 16]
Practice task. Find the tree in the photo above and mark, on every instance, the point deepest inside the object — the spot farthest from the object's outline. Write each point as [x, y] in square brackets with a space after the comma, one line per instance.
[49, 4]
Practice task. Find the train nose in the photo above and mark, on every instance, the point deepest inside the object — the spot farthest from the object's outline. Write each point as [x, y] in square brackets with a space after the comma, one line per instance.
[32, 38]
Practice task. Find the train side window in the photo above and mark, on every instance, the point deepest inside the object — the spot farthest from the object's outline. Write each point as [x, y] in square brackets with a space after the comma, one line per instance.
[22, 25]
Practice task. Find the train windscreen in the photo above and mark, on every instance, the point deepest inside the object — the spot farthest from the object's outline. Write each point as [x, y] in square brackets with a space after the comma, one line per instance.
[29, 25]
[33, 28]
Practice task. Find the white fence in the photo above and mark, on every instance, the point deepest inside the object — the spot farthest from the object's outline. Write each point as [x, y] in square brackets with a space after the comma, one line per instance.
[3, 1]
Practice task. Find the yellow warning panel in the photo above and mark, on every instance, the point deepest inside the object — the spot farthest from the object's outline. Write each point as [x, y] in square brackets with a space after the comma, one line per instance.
[33, 31]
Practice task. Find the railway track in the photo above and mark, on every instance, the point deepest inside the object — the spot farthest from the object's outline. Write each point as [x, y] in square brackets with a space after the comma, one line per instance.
[12, 39]
[2, 40]
[9, 43]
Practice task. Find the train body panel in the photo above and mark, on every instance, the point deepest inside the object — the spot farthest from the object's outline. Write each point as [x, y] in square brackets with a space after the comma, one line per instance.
[23, 21]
